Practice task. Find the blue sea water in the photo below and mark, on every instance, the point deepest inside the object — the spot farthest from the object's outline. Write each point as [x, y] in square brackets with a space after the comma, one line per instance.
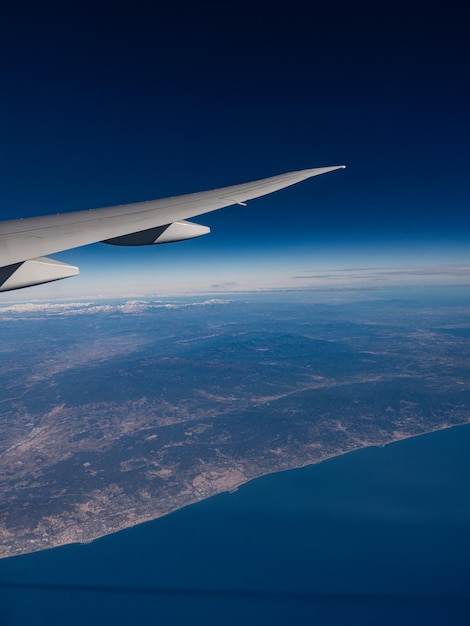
[377, 536]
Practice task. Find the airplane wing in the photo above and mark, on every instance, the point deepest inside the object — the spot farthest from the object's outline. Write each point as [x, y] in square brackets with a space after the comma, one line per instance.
[23, 242]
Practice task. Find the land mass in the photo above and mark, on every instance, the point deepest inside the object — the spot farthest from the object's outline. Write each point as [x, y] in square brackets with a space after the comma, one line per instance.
[102, 431]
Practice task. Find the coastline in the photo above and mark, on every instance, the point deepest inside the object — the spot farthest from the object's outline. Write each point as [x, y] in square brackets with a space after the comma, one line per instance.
[233, 489]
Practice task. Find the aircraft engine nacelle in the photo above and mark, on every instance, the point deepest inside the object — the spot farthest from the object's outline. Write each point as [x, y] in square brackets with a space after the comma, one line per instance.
[176, 231]
[34, 272]
[44, 270]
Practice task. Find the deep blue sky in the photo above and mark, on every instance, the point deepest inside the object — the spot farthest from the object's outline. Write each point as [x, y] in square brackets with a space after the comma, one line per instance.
[105, 105]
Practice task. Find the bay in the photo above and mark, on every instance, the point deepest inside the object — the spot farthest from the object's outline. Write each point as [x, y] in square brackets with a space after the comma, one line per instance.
[379, 535]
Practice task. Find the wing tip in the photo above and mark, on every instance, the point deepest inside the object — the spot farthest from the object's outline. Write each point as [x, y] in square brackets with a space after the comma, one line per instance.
[329, 168]
[317, 171]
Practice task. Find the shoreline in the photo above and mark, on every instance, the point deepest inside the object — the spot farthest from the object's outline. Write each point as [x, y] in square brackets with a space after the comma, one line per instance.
[235, 489]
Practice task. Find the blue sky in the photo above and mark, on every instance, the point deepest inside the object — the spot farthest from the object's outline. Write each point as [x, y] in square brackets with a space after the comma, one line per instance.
[104, 107]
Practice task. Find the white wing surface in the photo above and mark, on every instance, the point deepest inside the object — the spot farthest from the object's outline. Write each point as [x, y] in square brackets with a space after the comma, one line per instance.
[24, 241]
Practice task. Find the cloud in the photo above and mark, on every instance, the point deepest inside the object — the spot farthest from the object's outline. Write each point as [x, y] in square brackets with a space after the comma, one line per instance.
[38, 307]
[385, 276]
[227, 285]
[56, 309]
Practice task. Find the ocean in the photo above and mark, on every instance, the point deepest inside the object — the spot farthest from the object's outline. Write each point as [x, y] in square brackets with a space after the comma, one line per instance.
[377, 536]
